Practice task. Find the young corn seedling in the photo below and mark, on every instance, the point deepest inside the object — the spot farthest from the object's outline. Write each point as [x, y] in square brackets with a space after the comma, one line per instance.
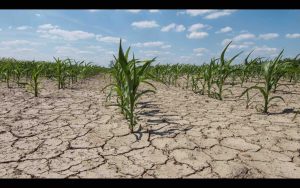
[223, 71]
[7, 72]
[128, 75]
[34, 82]
[270, 69]
[246, 69]
[60, 72]
[248, 99]
[209, 73]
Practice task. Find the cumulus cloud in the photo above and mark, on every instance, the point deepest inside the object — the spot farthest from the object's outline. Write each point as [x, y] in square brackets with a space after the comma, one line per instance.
[197, 35]
[17, 43]
[200, 50]
[265, 49]
[145, 24]
[225, 30]
[109, 39]
[166, 46]
[196, 12]
[208, 13]
[25, 50]
[238, 46]
[69, 51]
[219, 14]
[24, 27]
[93, 10]
[292, 36]
[54, 32]
[244, 36]
[174, 27]
[151, 44]
[153, 11]
[268, 36]
[198, 26]
[134, 10]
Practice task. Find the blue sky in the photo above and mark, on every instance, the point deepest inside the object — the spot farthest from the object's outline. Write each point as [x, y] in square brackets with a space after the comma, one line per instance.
[173, 36]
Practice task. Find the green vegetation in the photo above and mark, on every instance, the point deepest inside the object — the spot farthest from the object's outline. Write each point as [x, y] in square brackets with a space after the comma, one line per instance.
[29, 73]
[127, 77]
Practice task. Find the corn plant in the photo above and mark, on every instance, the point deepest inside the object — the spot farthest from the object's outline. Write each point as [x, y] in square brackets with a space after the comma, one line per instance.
[270, 70]
[209, 72]
[128, 75]
[223, 71]
[60, 72]
[7, 72]
[246, 69]
[33, 86]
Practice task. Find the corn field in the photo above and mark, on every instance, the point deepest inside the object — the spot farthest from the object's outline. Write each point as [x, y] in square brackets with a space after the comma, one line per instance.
[214, 79]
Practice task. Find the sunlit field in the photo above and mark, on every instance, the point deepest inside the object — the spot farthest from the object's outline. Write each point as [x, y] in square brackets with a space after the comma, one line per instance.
[234, 115]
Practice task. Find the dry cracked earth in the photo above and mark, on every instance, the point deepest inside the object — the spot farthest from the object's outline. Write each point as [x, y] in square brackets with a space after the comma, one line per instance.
[72, 133]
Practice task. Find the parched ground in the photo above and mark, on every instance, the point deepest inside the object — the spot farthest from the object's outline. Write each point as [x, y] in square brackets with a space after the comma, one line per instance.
[71, 133]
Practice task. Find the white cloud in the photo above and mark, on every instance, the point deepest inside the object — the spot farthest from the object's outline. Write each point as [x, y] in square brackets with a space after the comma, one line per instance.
[47, 26]
[68, 50]
[24, 50]
[17, 43]
[149, 44]
[10, 27]
[238, 46]
[245, 36]
[180, 12]
[174, 27]
[179, 28]
[197, 35]
[109, 39]
[134, 10]
[145, 24]
[225, 30]
[38, 15]
[268, 36]
[153, 10]
[93, 10]
[166, 46]
[293, 36]
[265, 51]
[192, 12]
[0, 29]
[208, 13]
[151, 53]
[196, 27]
[226, 41]
[200, 50]
[218, 14]
[248, 43]
[24, 27]
[53, 32]
[97, 48]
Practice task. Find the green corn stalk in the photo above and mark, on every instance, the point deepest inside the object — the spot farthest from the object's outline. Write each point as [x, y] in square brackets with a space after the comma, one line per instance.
[128, 75]
[60, 72]
[223, 71]
[270, 69]
[209, 73]
[7, 72]
[34, 83]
